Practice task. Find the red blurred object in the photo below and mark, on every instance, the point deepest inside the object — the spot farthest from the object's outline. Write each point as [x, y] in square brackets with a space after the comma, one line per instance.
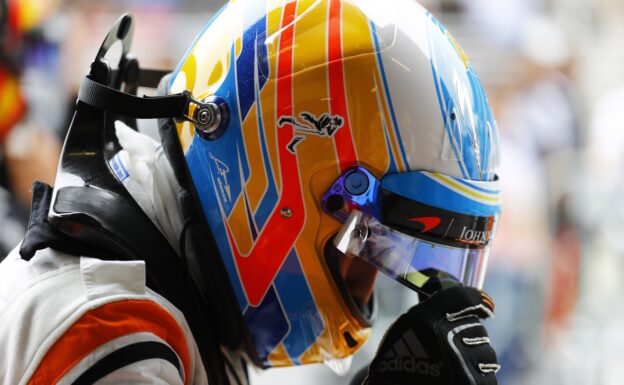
[12, 103]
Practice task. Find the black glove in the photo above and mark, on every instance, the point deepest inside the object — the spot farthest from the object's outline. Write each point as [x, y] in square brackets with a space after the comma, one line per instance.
[440, 341]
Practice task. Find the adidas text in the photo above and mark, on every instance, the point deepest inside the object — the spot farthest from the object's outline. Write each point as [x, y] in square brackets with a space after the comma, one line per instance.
[410, 365]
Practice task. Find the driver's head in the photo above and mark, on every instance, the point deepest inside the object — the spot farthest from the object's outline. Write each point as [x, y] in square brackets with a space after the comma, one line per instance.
[352, 136]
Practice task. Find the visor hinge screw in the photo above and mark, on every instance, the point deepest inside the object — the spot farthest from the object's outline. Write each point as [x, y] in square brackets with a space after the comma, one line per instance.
[211, 117]
[208, 118]
[287, 213]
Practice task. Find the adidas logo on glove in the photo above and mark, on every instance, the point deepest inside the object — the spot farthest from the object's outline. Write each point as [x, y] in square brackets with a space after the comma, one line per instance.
[408, 355]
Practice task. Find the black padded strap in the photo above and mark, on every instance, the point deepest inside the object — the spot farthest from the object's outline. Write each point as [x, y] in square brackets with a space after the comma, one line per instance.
[111, 100]
[41, 234]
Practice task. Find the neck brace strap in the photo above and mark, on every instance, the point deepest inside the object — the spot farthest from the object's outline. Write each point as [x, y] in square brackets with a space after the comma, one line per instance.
[108, 99]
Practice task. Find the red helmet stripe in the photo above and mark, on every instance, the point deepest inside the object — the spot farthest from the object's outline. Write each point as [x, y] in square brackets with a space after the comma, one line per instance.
[343, 138]
[258, 269]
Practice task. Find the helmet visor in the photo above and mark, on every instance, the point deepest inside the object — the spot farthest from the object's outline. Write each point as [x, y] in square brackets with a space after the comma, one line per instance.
[428, 231]
[421, 265]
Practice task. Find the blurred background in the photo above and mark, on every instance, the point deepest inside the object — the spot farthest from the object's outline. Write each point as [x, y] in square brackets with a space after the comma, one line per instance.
[554, 71]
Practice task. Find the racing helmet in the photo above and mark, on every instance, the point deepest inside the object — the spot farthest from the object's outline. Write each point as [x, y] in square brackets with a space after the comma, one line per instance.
[336, 107]
[322, 141]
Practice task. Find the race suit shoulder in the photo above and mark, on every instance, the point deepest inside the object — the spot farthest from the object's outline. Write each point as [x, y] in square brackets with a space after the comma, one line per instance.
[77, 320]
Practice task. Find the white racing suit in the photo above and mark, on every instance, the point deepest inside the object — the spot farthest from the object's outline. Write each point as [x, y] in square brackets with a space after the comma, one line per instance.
[66, 319]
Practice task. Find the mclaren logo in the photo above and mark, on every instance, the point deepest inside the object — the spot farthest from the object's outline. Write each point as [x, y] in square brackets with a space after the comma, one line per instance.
[324, 126]
[409, 355]
[429, 223]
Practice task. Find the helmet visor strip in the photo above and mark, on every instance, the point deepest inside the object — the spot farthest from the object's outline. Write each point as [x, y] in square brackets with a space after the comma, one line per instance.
[421, 265]
[427, 248]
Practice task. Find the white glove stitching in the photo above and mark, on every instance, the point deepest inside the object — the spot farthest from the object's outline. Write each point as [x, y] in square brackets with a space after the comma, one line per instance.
[489, 368]
[450, 337]
[476, 341]
[452, 317]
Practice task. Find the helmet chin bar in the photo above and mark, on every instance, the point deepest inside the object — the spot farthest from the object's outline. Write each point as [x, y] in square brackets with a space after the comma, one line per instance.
[89, 204]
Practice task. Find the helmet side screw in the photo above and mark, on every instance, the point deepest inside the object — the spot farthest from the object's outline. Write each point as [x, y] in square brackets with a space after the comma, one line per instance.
[208, 118]
[287, 213]
[211, 118]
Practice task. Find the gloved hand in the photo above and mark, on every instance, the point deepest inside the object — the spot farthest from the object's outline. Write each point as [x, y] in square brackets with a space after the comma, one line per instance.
[440, 341]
